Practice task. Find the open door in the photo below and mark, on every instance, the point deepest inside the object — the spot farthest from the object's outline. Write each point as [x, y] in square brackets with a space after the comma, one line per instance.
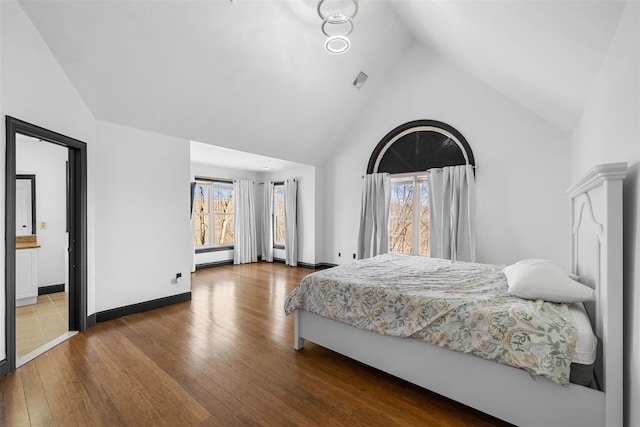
[77, 220]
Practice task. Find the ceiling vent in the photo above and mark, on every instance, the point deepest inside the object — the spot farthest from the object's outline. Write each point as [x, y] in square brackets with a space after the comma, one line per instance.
[360, 80]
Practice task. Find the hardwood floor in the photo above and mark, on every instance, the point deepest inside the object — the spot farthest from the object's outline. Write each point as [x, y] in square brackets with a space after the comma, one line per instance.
[224, 358]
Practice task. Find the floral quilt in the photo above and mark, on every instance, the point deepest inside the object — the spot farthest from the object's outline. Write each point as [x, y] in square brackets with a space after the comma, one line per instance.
[458, 305]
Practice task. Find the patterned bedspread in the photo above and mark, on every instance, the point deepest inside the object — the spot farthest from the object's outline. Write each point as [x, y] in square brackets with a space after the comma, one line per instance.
[461, 306]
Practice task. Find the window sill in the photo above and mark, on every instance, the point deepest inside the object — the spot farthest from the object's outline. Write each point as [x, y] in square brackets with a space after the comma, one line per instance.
[278, 247]
[214, 249]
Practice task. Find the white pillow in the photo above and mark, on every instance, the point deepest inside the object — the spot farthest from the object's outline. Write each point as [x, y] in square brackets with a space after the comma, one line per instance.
[540, 279]
[546, 261]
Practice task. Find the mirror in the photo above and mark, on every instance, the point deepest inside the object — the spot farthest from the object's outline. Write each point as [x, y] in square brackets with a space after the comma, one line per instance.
[25, 205]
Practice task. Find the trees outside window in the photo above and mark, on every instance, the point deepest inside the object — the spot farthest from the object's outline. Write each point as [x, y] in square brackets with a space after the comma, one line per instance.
[213, 214]
[278, 215]
[409, 216]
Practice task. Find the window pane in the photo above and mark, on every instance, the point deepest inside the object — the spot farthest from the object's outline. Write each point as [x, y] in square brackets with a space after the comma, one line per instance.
[401, 217]
[278, 200]
[201, 217]
[223, 229]
[401, 198]
[278, 214]
[201, 230]
[424, 236]
[201, 200]
[409, 216]
[400, 235]
[424, 217]
[279, 230]
[223, 198]
[213, 214]
[223, 213]
[424, 197]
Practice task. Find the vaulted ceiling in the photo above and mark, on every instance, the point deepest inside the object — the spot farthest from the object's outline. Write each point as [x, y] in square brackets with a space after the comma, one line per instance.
[254, 76]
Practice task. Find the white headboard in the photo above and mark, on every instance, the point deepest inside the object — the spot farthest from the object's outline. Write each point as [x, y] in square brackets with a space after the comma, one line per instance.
[596, 256]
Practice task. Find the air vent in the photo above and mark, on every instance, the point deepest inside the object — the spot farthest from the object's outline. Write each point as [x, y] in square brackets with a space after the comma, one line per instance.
[359, 81]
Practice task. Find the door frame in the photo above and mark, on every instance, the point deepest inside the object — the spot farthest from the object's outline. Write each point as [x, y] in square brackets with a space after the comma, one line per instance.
[77, 220]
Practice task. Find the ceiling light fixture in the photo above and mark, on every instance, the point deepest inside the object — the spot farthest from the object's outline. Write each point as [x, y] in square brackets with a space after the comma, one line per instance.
[337, 43]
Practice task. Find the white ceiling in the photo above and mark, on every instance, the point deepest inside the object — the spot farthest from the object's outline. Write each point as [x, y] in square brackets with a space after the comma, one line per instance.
[255, 77]
[214, 155]
[544, 54]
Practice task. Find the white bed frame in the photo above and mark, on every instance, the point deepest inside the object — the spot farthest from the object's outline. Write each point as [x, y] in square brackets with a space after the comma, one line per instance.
[502, 391]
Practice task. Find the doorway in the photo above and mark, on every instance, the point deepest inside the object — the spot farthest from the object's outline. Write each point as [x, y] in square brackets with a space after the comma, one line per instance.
[42, 309]
[76, 226]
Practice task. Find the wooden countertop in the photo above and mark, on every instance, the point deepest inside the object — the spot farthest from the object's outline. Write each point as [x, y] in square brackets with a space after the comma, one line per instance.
[27, 242]
[27, 245]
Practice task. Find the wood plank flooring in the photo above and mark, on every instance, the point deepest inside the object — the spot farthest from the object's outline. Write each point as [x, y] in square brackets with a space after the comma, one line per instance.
[225, 358]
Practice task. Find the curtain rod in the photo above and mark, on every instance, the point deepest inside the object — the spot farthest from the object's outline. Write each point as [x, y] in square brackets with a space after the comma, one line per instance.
[278, 182]
[225, 180]
[209, 179]
[408, 174]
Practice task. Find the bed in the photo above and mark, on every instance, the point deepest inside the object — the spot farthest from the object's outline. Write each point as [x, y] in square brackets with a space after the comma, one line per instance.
[519, 396]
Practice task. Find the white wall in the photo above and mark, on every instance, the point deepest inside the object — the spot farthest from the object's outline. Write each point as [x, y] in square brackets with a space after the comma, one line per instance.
[308, 223]
[48, 163]
[142, 216]
[609, 131]
[523, 161]
[210, 171]
[34, 88]
[319, 215]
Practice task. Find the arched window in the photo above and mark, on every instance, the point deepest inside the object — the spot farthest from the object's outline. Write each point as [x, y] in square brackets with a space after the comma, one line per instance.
[406, 153]
[420, 145]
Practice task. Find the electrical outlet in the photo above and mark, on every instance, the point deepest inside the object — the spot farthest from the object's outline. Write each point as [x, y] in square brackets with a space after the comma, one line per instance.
[339, 254]
[178, 279]
[354, 256]
[43, 225]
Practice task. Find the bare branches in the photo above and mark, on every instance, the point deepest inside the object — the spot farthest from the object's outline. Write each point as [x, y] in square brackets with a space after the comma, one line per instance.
[409, 217]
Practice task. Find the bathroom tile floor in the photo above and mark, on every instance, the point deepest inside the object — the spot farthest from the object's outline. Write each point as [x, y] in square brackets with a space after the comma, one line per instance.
[40, 323]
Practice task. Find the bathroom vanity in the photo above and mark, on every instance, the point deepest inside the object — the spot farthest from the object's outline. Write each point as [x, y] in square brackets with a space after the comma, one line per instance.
[26, 270]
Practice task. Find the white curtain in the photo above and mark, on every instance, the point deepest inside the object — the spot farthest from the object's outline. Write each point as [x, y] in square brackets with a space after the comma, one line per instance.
[244, 223]
[291, 222]
[267, 222]
[191, 225]
[373, 237]
[452, 213]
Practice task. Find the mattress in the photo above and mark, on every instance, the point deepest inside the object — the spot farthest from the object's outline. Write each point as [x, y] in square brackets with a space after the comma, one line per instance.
[584, 355]
[586, 341]
[461, 306]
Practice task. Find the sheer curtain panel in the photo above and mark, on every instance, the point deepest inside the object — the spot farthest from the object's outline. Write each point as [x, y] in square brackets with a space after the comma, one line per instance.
[244, 217]
[267, 222]
[291, 222]
[373, 237]
[452, 203]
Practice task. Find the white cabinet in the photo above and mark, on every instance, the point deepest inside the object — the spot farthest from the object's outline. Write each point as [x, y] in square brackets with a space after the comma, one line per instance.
[26, 276]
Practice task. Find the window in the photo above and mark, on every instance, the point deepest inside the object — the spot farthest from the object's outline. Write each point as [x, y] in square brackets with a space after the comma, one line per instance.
[278, 215]
[406, 153]
[409, 216]
[213, 210]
